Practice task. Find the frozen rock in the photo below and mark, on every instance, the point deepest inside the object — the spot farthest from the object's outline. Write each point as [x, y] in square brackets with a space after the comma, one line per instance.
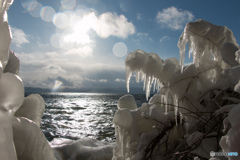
[30, 142]
[127, 101]
[123, 118]
[12, 64]
[32, 108]
[11, 98]
[12, 92]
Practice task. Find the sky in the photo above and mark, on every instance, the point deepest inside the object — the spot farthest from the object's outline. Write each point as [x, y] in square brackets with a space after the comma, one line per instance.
[84, 43]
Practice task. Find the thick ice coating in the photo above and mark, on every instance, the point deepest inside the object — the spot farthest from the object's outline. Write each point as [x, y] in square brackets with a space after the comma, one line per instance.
[205, 40]
[13, 64]
[32, 108]
[82, 149]
[127, 101]
[230, 142]
[30, 142]
[5, 32]
[150, 68]
[11, 98]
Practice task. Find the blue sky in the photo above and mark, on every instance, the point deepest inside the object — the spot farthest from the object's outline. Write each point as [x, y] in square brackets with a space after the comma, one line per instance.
[83, 43]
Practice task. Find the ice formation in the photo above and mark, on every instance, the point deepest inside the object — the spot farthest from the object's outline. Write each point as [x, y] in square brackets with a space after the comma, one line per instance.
[29, 141]
[83, 149]
[150, 68]
[32, 108]
[187, 94]
[21, 137]
[205, 40]
[198, 95]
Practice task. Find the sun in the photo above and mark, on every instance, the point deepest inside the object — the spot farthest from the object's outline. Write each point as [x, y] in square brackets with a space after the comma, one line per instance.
[80, 30]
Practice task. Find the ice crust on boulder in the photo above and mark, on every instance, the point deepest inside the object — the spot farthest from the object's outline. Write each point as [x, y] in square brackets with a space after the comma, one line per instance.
[127, 101]
[132, 128]
[29, 141]
[32, 108]
[13, 64]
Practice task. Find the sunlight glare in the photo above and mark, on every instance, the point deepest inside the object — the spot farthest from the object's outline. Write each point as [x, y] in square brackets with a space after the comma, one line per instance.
[80, 30]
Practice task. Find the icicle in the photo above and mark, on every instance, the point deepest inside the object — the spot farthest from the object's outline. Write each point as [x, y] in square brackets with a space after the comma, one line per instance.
[176, 113]
[154, 84]
[128, 77]
[189, 46]
[182, 48]
[166, 108]
[148, 86]
[137, 76]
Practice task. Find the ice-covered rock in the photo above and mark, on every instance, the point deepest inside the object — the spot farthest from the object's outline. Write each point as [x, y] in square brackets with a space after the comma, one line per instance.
[11, 98]
[127, 101]
[32, 108]
[129, 125]
[30, 142]
[12, 92]
[12, 64]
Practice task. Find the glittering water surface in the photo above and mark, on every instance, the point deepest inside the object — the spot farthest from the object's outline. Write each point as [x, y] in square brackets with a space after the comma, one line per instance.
[78, 115]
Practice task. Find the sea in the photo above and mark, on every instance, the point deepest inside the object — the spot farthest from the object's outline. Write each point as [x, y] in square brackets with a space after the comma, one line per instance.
[81, 115]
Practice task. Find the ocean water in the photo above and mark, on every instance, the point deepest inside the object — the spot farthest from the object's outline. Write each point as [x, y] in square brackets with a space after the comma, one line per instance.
[79, 115]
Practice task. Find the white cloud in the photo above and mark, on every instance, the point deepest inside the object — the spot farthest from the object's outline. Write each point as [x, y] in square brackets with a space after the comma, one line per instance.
[103, 80]
[90, 80]
[111, 24]
[51, 54]
[164, 38]
[19, 37]
[83, 51]
[75, 37]
[174, 18]
[53, 69]
[119, 80]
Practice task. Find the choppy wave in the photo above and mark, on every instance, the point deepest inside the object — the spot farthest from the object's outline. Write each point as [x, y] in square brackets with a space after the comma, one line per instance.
[79, 115]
